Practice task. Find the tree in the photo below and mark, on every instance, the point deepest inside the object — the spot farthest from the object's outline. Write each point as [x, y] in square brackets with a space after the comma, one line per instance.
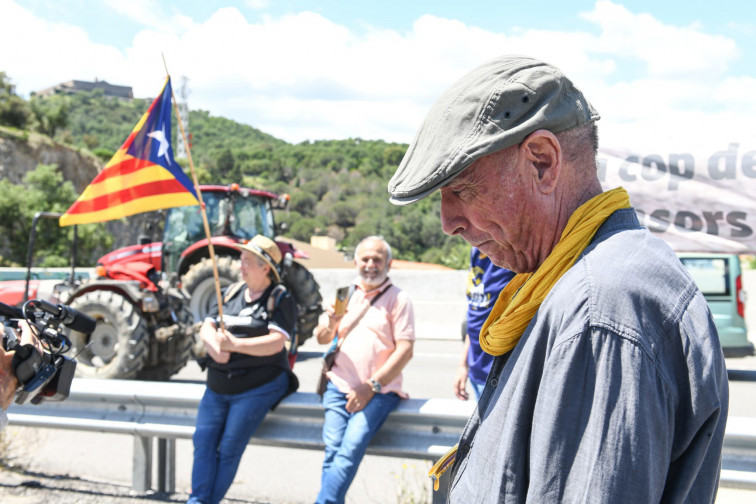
[14, 111]
[392, 156]
[44, 190]
[303, 202]
[91, 141]
[455, 253]
[12, 239]
[337, 186]
[303, 229]
[345, 213]
[50, 113]
[226, 164]
[104, 154]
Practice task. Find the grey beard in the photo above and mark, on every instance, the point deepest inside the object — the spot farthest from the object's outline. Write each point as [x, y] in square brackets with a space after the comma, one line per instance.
[374, 282]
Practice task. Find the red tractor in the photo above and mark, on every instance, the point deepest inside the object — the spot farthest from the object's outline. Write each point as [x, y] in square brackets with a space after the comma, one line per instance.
[143, 330]
[147, 298]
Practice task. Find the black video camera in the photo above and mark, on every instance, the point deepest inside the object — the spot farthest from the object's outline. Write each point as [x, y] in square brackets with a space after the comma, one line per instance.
[47, 375]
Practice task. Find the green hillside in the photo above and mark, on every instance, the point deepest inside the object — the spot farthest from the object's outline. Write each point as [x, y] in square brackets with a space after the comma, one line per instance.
[337, 187]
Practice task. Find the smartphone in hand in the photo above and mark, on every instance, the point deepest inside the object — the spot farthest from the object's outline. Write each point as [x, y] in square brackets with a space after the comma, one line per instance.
[342, 299]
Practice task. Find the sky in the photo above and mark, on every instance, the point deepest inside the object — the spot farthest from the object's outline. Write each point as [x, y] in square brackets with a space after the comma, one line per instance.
[663, 74]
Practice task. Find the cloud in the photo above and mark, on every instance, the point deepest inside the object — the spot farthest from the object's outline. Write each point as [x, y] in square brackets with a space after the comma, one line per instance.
[303, 76]
[666, 85]
[43, 50]
[744, 27]
[666, 51]
[144, 12]
[257, 4]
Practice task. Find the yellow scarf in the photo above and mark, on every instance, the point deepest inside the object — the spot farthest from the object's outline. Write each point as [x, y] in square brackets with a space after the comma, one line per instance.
[523, 295]
[521, 298]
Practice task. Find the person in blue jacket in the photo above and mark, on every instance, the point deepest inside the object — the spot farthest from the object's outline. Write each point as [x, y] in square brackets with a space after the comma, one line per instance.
[484, 283]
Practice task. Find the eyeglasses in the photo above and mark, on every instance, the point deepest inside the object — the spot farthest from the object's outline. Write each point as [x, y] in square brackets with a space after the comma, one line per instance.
[442, 465]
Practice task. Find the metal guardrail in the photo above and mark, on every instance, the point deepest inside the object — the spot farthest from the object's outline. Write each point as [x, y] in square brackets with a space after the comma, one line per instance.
[40, 273]
[166, 411]
[739, 454]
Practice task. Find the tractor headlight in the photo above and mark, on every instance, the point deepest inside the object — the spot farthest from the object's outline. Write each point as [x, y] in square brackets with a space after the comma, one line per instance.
[150, 304]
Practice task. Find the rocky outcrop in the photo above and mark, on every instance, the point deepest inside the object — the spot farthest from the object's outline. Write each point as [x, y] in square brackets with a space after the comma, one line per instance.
[21, 152]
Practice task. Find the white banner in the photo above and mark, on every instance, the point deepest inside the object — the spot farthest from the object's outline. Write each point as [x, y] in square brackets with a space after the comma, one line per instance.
[702, 201]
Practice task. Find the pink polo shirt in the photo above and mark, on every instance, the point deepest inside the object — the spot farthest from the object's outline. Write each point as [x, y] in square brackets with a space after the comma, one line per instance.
[369, 344]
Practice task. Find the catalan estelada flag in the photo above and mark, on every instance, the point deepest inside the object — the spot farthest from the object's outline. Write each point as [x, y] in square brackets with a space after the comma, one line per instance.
[142, 176]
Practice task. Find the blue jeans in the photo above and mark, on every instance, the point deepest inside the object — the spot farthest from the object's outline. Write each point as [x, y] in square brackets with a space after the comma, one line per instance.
[225, 424]
[477, 389]
[346, 437]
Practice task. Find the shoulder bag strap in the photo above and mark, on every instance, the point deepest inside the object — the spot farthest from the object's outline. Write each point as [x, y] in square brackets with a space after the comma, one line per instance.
[232, 290]
[354, 322]
[274, 297]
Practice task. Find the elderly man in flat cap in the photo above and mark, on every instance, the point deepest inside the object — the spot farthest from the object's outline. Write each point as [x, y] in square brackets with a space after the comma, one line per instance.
[609, 383]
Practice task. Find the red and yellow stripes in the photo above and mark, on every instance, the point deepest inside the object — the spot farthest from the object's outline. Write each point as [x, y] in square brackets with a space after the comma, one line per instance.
[135, 188]
[129, 185]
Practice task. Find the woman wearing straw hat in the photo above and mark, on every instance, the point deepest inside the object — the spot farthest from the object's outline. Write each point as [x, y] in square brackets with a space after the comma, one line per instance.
[247, 369]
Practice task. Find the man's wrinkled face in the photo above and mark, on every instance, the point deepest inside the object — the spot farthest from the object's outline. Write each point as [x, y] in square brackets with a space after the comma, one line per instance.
[488, 205]
[372, 264]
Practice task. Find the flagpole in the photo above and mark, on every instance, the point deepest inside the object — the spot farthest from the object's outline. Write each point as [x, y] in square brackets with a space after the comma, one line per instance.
[202, 205]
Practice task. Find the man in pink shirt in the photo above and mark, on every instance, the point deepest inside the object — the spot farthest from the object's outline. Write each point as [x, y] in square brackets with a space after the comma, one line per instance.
[365, 382]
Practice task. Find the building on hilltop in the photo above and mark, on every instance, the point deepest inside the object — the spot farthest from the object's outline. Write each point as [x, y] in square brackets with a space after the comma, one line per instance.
[77, 86]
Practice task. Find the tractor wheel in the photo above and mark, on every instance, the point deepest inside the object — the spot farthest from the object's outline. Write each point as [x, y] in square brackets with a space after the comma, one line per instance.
[174, 353]
[118, 346]
[306, 291]
[199, 283]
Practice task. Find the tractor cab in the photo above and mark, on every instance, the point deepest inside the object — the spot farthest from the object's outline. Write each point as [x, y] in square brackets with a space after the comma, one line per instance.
[238, 214]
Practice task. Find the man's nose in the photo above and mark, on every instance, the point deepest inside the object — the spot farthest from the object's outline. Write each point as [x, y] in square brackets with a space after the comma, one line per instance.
[452, 220]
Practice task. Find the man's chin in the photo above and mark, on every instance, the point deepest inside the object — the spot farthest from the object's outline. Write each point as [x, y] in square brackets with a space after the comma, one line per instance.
[373, 282]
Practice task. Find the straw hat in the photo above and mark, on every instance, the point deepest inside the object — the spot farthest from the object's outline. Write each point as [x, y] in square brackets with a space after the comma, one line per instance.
[267, 250]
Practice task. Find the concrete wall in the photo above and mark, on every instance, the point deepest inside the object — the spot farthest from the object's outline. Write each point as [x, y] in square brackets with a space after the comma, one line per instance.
[440, 303]
[438, 297]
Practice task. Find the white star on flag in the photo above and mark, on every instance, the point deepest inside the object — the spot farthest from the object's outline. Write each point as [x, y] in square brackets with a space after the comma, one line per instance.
[164, 145]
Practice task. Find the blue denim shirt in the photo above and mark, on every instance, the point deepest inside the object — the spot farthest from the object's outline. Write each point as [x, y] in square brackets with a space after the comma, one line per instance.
[617, 391]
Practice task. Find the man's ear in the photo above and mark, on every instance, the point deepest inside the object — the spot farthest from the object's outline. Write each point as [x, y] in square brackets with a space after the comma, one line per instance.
[543, 153]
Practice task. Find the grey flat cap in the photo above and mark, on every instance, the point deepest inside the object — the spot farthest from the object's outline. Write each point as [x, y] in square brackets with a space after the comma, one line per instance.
[495, 106]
